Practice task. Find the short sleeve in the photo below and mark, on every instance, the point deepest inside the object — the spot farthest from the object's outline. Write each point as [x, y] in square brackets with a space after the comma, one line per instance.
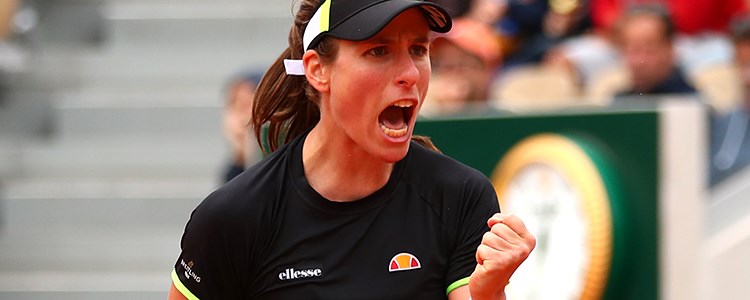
[478, 204]
[210, 264]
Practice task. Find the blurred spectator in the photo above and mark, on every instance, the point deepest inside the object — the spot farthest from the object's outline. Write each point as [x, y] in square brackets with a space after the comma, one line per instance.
[463, 63]
[17, 18]
[646, 42]
[456, 8]
[700, 40]
[730, 133]
[237, 116]
[689, 16]
[7, 11]
[701, 24]
[533, 27]
[487, 11]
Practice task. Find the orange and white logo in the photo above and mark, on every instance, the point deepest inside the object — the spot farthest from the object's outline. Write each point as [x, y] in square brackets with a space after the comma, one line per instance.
[404, 261]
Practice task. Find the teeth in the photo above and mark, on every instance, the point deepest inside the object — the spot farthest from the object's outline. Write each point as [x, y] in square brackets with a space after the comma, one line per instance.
[403, 103]
[394, 132]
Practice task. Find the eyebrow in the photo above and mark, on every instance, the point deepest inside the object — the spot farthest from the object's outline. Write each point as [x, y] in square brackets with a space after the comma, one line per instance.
[385, 40]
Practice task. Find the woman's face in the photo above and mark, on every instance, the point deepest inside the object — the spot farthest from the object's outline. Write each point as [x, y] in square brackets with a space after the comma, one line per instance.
[377, 87]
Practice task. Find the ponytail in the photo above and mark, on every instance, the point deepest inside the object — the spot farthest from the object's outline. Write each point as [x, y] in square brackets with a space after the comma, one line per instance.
[282, 103]
[288, 104]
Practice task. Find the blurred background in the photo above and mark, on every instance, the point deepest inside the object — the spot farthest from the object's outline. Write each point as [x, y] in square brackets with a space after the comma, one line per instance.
[118, 117]
[111, 133]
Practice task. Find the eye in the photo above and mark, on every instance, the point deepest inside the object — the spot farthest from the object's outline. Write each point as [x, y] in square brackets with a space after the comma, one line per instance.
[418, 50]
[377, 51]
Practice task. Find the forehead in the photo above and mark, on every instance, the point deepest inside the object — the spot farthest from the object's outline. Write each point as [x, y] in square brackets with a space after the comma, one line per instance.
[640, 26]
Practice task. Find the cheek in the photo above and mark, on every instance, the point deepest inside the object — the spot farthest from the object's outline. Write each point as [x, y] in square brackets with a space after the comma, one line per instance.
[352, 97]
[633, 59]
[666, 60]
[357, 77]
[425, 72]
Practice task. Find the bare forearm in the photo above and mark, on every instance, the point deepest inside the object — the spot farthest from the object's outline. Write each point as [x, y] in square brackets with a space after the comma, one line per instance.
[497, 296]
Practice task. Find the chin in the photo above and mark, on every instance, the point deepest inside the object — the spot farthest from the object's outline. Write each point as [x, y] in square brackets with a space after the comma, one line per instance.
[396, 153]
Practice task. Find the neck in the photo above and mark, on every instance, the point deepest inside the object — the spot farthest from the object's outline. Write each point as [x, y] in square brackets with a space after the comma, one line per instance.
[338, 169]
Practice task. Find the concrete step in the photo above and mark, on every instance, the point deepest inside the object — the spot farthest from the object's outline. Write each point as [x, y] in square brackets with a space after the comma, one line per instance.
[194, 66]
[132, 116]
[118, 157]
[191, 8]
[141, 188]
[92, 245]
[256, 31]
[88, 249]
[168, 43]
[85, 295]
[96, 208]
[25, 113]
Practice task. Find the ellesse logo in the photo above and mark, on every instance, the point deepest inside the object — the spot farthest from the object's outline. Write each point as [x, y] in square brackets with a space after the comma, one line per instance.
[403, 262]
[291, 273]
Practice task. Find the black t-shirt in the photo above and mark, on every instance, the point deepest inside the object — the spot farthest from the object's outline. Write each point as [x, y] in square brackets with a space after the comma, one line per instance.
[267, 234]
[676, 83]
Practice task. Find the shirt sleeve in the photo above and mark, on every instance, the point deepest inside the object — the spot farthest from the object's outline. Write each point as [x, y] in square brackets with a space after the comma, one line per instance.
[209, 266]
[479, 203]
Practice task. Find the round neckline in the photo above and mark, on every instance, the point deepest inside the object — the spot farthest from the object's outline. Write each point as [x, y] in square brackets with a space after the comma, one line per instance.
[312, 197]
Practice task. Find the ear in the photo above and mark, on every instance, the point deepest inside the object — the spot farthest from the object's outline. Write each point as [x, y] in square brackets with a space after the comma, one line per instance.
[315, 72]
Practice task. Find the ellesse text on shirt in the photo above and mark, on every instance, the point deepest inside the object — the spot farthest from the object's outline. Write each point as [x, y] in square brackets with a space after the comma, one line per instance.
[291, 273]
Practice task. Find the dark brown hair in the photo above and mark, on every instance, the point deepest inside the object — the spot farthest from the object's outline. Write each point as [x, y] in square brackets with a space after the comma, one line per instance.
[657, 11]
[740, 28]
[288, 103]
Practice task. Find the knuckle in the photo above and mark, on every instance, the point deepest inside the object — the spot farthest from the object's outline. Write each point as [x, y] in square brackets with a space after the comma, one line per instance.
[511, 217]
[525, 250]
[498, 228]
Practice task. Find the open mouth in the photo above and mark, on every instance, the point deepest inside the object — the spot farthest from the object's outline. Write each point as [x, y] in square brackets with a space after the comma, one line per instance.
[394, 120]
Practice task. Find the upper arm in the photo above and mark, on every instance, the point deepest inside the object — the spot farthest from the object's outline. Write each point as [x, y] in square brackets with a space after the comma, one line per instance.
[213, 253]
[460, 293]
[174, 294]
[478, 204]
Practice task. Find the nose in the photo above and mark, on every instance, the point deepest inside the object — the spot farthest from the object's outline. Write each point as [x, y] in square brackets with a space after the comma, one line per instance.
[408, 73]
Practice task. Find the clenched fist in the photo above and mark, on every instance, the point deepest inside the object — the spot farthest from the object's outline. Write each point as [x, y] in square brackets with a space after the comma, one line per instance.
[503, 249]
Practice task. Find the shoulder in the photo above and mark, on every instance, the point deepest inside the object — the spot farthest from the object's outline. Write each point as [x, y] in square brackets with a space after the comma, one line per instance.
[248, 198]
[442, 169]
[460, 196]
[438, 177]
[678, 83]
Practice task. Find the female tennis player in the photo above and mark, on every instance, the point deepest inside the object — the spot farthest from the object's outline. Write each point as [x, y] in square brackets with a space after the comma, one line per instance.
[347, 206]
